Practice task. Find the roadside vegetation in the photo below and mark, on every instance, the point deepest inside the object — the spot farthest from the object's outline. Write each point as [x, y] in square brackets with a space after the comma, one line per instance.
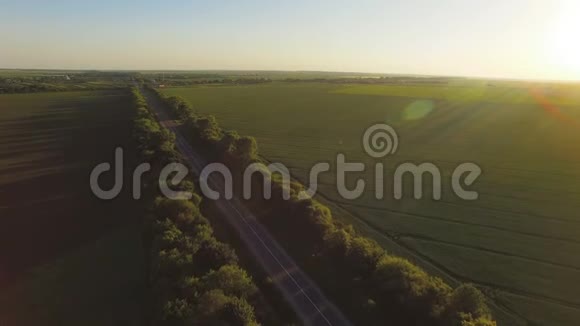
[370, 285]
[195, 279]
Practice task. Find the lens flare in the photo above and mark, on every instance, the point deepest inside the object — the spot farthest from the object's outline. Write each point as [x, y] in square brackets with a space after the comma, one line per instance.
[418, 110]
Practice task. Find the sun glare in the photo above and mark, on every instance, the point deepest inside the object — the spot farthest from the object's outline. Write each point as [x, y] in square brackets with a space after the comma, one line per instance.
[564, 44]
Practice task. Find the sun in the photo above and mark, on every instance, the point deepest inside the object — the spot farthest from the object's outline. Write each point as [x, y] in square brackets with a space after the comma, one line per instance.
[564, 40]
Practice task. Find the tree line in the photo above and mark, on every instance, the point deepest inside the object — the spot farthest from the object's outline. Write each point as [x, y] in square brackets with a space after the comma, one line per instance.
[63, 82]
[184, 81]
[194, 278]
[383, 80]
[369, 284]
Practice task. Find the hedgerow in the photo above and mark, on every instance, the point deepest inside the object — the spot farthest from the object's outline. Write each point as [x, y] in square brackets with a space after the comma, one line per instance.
[195, 279]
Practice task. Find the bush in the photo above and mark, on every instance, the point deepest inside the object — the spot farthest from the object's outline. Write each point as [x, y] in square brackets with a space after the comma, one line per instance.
[362, 256]
[246, 149]
[214, 254]
[400, 282]
[467, 303]
[232, 280]
[239, 312]
[183, 213]
[216, 308]
[468, 320]
[176, 312]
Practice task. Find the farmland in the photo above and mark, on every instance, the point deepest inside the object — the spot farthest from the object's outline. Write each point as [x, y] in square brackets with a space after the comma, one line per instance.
[67, 257]
[518, 241]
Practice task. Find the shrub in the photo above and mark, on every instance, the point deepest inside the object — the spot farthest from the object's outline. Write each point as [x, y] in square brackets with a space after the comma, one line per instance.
[400, 282]
[182, 212]
[466, 303]
[232, 280]
[176, 312]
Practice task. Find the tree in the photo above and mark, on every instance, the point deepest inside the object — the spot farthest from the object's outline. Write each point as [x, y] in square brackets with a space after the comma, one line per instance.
[362, 256]
[208, 129]
[239, 312]
[246, 149]
[190, 287]
[466, 300]
[188, 186]
[176, 312]
[215, 308]
[468, 320]
[227, 143]
[420, 294]
[317, 220]
[170, 235]
[214, 254]
[336, 245]
[181, 212]
[232, 280]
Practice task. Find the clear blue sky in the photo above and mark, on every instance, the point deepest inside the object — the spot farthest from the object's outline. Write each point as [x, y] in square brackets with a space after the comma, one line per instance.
[498, 38]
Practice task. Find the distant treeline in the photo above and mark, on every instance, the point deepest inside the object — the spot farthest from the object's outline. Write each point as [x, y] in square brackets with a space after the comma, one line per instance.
[100, 80]
[61, 82]
[370, 285]
[229, 81]
[375, 80]
[184, 81]
[195, 279]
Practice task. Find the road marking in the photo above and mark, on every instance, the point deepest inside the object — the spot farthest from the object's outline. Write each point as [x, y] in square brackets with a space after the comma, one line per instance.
[279, 263]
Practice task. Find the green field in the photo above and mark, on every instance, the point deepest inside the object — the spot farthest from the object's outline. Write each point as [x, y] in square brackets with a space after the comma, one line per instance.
[520, 239]
[68, 258]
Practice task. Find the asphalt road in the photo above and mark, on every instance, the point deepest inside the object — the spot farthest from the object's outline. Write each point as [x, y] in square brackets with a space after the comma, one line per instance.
[302, 294]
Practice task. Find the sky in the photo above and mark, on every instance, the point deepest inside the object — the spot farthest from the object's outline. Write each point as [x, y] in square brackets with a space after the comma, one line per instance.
[530, 39]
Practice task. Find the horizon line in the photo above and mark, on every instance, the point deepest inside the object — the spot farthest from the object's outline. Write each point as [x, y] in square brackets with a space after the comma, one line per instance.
[398, 74]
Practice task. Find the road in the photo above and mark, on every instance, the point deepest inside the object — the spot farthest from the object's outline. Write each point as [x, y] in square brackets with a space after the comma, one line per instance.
[302, 294]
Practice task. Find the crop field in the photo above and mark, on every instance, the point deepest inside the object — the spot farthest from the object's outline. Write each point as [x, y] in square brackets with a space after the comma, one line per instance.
[519, 240]
[67, 258]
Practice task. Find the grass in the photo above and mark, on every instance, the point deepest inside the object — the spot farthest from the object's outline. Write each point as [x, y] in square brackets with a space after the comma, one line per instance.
[67, 257]
[472, 91]
[100, 283]
[520, 238]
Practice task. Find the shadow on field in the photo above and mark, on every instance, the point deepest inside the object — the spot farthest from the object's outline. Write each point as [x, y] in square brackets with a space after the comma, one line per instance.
[61, 245]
